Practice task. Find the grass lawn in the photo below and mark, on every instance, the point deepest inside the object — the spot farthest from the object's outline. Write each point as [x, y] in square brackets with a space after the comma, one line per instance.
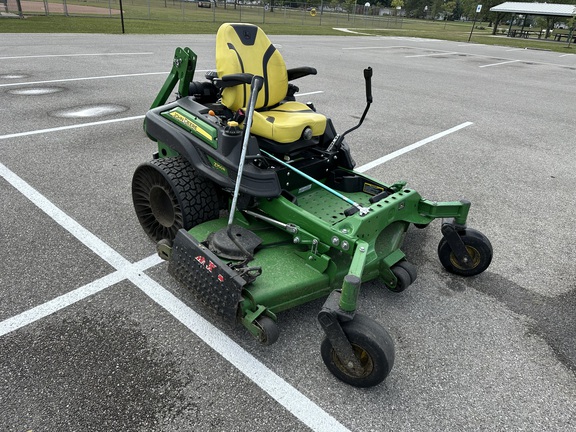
[175, 17]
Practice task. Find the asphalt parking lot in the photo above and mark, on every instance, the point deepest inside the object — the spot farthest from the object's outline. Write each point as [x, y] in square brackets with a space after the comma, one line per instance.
[96, 336]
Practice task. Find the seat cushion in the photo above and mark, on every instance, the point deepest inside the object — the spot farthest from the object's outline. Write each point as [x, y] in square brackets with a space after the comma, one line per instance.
[286, 122]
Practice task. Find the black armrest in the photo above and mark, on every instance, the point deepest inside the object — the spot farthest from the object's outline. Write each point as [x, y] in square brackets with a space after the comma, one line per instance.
[232, 80]
[300, 72]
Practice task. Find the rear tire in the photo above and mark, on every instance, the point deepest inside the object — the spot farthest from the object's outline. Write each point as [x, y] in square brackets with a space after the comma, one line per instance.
[169, 195]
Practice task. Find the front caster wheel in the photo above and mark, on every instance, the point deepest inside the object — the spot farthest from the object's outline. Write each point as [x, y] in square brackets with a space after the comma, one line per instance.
[478, 247]
[372, 346]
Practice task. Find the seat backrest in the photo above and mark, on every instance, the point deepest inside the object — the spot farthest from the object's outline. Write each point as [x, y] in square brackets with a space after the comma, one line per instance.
[245, 48]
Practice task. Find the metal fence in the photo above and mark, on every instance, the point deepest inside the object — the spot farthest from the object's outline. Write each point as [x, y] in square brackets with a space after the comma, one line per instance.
[312, 12]
[11, 7]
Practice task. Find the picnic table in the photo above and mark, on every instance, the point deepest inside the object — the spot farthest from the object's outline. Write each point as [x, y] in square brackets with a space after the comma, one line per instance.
[525, 33]
[559, 36]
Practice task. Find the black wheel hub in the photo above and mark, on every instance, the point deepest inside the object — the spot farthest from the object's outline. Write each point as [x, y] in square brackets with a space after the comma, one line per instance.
[367, 365]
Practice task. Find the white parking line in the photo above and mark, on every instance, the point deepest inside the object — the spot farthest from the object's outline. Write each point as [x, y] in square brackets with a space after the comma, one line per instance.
[411, 147]
[82, 79]
[346, 30]
[504, 60]
[433, 54]
[375, 47]
[309, 93]
[75, 55]
[69, 224]
[501, 63]
[75, 126]
[45, 309]
[24, 83]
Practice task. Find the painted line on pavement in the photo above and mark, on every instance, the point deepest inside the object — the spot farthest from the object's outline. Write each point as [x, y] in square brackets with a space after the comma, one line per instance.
[347, 30]
[81, 79]
[284, 393]
[74, 55]
[75, 126]
[491, 57]
[501, 63]
[433, 54]
[309, 93]
[16, 84]
[375, 47]
[45, 309]
[411, 147]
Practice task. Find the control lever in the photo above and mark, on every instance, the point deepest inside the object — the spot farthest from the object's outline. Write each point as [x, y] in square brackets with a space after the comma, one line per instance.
[337, 141]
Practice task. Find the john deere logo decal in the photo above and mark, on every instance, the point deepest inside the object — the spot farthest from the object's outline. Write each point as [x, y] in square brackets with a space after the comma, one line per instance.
[194, 125]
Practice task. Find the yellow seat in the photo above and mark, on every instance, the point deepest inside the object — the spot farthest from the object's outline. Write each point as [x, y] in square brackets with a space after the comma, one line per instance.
[245, 48]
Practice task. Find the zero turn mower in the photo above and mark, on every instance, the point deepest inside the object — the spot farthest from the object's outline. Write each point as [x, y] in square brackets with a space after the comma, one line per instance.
[254, 201]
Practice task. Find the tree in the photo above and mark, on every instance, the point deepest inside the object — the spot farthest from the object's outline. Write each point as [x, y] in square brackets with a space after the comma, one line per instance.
[468, 7]
[349, 6]
[415, 8]
[448, 9]
[457, 11]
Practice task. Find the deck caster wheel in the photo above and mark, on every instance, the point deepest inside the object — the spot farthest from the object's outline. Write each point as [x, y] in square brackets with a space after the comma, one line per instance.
[410, 268]
[402, 279]
[269, 330]
[478, 247]
[405, 275]
[169, 195]
[372, 346]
